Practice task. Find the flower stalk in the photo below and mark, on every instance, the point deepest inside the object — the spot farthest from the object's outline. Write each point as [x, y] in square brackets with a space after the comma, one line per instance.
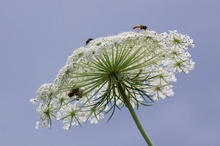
[133, 114]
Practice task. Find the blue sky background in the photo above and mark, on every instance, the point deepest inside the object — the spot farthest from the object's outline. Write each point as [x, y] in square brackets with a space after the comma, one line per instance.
[37, 36]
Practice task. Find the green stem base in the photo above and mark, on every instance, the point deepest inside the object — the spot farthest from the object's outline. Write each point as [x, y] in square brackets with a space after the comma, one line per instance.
[133, 114]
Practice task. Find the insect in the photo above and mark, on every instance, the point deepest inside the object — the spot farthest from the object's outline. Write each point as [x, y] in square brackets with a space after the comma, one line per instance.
[76, 92]
[90, 39]
[141, 27]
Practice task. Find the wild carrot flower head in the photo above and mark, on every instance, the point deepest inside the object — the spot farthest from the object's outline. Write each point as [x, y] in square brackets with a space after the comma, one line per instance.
[143, 65]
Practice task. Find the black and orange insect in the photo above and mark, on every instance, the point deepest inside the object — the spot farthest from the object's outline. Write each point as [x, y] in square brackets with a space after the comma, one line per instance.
[141, 27]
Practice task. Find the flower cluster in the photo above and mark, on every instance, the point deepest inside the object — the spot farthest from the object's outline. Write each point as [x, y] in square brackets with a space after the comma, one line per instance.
[96, 77]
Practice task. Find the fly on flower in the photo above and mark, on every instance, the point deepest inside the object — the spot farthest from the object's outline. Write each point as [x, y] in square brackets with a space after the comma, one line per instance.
[89, 40]
[76, 92]
[140, 27]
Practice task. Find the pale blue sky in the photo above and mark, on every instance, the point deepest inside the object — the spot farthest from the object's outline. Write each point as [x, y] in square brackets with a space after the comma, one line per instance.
[37, 36]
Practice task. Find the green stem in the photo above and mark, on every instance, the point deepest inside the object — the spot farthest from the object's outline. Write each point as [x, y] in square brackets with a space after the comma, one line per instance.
[133, 114]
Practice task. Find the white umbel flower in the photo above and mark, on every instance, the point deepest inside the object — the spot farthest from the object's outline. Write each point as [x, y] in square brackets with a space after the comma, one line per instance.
[96, 78]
